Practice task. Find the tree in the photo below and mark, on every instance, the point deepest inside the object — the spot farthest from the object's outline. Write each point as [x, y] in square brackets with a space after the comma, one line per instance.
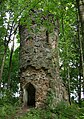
[80, 8]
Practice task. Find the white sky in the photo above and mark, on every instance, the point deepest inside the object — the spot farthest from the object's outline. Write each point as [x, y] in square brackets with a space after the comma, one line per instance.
[15, 44]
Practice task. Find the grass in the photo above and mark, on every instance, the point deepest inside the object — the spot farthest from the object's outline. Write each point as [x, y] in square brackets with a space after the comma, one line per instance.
[61, 111]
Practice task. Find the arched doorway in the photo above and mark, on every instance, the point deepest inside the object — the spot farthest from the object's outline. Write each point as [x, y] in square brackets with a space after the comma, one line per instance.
[30, 90]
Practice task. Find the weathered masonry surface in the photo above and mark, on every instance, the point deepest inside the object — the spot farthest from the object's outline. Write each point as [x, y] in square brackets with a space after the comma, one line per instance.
[39, 73]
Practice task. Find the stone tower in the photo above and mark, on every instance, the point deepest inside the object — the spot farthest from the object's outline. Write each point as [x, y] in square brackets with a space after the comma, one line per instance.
[39, 72]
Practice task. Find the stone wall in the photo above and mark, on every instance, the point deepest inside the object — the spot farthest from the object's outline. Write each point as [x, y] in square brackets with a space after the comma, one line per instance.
[39, 80]
[39, 65]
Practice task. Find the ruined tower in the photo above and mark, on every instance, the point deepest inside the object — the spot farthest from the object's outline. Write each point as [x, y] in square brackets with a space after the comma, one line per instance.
[39, 72]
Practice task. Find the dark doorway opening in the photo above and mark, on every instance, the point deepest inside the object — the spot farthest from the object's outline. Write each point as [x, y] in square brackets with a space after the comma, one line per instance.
[30, 95]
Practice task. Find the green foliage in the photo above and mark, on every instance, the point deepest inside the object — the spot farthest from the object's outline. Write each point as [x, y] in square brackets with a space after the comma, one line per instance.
[38, 114]
[33, 114]
[7, 111]
[61, 111]
[8, 98]
[81, 116]
[69, 51]
[21, 10]
[67, 112]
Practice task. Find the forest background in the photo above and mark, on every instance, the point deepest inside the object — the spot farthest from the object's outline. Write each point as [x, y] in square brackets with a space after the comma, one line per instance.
[70, 17]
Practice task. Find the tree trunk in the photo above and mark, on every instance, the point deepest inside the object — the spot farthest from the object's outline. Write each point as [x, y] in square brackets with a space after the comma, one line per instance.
[2, 66]
[79, 87]
[69, 91]
[80, 67]
[10, 64]
[80, 7]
